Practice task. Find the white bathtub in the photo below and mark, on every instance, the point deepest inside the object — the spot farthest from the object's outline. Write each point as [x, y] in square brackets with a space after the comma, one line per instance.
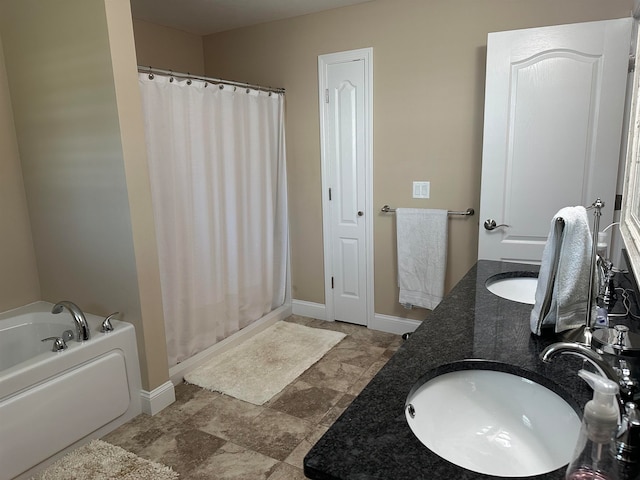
[52, 402]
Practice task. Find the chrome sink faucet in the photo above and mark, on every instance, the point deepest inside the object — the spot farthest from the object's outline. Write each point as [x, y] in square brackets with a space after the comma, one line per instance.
[627, 445]
[82, 327]
[583, 351]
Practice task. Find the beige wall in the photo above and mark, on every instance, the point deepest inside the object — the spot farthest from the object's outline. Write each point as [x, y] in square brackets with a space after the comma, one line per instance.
[429, 73]
[168, 48]
[73, 153]
[18, 277]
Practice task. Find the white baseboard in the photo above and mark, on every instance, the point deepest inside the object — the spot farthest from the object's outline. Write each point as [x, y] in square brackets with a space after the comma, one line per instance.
[157, 399]
[397, 325]
[309, 309]
[384, 323]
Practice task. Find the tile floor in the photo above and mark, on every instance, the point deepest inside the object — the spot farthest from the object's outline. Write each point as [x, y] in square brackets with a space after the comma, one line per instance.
[207, 435]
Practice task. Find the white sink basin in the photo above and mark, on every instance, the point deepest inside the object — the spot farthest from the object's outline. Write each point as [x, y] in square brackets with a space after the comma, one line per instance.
[493, 422]
[515, 288]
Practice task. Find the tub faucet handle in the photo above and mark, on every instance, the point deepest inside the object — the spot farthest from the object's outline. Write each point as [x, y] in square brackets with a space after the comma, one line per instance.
[106, 323]
[58, 343]
[67, 335]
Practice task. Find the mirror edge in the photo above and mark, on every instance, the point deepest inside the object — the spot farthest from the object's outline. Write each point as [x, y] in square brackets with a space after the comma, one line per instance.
[630, 219]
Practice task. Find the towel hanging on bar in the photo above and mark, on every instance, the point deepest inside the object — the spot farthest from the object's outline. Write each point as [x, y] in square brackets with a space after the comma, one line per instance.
[422, 256]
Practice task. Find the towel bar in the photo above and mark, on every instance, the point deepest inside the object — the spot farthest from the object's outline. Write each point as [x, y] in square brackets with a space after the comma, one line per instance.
[466, 213]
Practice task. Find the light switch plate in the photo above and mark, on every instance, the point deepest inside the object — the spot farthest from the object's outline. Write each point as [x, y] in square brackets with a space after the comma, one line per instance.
[421, 189]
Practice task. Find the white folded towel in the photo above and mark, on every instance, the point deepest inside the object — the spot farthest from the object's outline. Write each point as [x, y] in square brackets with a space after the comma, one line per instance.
[568, 255]
[422, 255]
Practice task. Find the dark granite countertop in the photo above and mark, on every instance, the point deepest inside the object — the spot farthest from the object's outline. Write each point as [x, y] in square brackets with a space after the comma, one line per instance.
[372, 439]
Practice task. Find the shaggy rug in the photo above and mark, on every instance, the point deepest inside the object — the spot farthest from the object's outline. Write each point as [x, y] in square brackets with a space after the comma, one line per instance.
[262, 366]
[99, 460]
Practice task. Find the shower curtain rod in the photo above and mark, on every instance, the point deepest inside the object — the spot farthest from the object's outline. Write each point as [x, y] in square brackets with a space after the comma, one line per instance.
[217, 81]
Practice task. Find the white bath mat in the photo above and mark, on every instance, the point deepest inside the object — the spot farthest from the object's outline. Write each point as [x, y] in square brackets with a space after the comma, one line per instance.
[99, 460]
[262, 366]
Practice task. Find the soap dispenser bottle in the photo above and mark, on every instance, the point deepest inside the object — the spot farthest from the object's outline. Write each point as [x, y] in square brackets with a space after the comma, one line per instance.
[593, 458]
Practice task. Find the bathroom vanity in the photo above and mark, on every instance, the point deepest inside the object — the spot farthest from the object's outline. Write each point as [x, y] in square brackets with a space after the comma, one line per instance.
[372, 439]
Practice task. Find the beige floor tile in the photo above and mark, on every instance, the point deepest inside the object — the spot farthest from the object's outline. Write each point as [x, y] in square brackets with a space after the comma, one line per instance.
[296, 457]
[276, 434]
[284, 471]
[334, 375]
[354, 353]
[226, 417]
[366, 377]
[374, 337]
[142, 431]
[344, 327]
[183, 452]
[337, 410]
[233, 462]
[208, 435]
[305, 401]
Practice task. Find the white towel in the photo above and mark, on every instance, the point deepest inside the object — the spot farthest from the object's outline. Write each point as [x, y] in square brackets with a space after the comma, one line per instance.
[422, 255]
[569, 291]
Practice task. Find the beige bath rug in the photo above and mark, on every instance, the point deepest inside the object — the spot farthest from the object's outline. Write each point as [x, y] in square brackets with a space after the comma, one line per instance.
[263, 365]
[99, 460]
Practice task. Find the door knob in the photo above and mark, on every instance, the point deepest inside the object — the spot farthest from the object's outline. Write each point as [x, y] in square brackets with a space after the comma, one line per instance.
[490, 224]
[360, 213]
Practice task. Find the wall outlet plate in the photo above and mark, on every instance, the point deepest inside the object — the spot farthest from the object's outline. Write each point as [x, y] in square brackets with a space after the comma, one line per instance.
[421, 189]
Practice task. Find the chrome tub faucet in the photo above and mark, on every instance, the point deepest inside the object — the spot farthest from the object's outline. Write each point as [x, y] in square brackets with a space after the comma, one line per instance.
[82, 327]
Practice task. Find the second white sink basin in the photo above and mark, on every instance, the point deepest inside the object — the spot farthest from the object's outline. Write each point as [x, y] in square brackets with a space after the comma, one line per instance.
[515, 286]
[493, 422]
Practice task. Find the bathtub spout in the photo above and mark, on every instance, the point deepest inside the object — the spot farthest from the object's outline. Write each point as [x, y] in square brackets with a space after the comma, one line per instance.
[82, 327]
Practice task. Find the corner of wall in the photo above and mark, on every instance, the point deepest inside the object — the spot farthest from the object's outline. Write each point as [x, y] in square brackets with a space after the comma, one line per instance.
[150, 327]
[157, 399]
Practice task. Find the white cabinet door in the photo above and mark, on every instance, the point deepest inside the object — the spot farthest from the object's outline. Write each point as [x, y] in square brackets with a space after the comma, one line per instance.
[554, 106]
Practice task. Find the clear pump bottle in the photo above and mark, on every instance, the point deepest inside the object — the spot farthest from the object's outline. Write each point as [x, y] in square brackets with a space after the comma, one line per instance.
[593, 458]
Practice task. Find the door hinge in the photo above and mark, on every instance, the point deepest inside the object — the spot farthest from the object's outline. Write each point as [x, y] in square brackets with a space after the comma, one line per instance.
[329, 194]
[632, 63]
[326, 96]
[331, 282]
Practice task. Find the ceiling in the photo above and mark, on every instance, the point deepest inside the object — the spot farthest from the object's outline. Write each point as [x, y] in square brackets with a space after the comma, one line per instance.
[203, 17]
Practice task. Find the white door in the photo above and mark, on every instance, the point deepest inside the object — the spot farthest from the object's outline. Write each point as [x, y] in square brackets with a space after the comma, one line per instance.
[554, 107]
[345, 106]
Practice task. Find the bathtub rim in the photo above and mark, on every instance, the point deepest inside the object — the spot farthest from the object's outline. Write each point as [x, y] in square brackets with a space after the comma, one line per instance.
[101, 344]
[15, 379]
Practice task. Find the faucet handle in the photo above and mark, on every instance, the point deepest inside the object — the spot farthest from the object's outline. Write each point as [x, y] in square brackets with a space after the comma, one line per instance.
[628, 385]
[68, 335]
[106, 323]
[58, 343]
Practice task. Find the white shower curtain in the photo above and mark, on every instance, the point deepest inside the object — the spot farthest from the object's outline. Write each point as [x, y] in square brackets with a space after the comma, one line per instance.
[218, 184]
